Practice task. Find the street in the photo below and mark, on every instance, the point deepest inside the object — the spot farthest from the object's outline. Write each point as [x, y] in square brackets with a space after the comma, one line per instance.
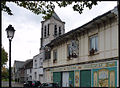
[14, 84]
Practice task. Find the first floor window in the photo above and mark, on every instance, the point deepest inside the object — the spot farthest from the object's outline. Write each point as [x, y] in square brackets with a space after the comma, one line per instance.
[54, 55]
[94, 43]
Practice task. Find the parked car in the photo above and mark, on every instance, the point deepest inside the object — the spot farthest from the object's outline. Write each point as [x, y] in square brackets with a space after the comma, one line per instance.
[36, 83]
[47, 85]
[32, 84]
[28, 84]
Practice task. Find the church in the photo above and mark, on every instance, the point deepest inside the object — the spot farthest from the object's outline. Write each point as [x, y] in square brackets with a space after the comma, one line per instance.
[84, 57]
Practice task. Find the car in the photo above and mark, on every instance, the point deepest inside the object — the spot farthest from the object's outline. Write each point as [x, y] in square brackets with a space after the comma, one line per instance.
[32, 84]
[28, 84]
[36, 83]
[49, 85]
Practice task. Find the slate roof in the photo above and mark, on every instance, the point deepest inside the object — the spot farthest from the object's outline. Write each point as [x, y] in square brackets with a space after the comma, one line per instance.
[56, 16]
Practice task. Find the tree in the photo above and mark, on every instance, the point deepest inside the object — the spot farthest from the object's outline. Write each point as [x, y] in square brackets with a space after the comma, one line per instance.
[47, 7]
[4, 57]
[5, 72]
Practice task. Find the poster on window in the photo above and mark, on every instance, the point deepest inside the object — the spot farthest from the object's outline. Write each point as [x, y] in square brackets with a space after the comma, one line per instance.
[77, 81]
[103, 78]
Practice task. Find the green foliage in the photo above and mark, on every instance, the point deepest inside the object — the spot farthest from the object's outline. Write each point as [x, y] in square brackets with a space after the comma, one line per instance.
[47, 7]
[4, 57]
[5, 73]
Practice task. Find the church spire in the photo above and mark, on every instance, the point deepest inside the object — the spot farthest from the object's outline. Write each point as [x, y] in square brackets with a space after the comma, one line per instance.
[55, 16]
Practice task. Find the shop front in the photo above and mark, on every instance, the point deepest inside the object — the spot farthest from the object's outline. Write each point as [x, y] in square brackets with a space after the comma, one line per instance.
[100, 74]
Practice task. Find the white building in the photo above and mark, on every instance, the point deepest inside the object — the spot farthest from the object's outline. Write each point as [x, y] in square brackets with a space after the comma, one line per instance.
[37, 71]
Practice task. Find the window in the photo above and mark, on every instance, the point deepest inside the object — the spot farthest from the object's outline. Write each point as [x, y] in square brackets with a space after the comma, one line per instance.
[48, 29]
[30, 70]
[55, 30]
[40, 60]
[47, 53]
[35, 75]
[59, 30]
[45, 32]
[94, 43]
[68, 50]
[54, 55]
[35, 65]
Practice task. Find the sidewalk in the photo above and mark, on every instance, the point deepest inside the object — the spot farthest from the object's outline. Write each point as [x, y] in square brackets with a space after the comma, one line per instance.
[14, 84]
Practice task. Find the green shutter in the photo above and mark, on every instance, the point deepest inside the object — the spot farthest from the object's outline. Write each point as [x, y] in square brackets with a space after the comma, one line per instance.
[57, 78]
[85, 78]
[71, 78]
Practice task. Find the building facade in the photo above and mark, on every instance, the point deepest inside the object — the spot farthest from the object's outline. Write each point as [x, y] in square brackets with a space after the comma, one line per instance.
[37, 72]
[22, 71]
[86, 56]
[15, 71]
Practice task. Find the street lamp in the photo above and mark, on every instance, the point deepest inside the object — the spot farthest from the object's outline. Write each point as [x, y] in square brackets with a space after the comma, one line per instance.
[10, 34]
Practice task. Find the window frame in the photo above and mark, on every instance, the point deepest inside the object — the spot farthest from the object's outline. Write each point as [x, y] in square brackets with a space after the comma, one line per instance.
[95, 50]
[55, 56]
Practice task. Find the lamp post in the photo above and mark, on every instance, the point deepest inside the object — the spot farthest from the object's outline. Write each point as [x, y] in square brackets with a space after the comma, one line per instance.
[10, 34]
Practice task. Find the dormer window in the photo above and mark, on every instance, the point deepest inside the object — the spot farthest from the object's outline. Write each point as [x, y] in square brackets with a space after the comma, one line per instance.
[59, 30]
[45, 32]
[55, 30]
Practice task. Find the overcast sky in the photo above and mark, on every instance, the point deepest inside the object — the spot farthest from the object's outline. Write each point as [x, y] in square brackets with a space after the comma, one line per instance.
[26, 41]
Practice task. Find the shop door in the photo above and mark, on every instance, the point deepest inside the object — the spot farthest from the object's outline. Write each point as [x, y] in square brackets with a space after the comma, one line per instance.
[57, 78]
[65, 79]
[85, 78]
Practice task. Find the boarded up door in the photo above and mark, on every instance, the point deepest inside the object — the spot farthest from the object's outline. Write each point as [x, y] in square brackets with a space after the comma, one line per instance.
[65, 79]
[85, 78]
[57, 78]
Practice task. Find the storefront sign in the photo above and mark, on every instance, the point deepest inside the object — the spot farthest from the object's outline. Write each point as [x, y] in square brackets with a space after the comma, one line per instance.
[87, 66]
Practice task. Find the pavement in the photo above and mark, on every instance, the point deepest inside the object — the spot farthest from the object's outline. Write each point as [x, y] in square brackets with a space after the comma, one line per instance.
[14, 84]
